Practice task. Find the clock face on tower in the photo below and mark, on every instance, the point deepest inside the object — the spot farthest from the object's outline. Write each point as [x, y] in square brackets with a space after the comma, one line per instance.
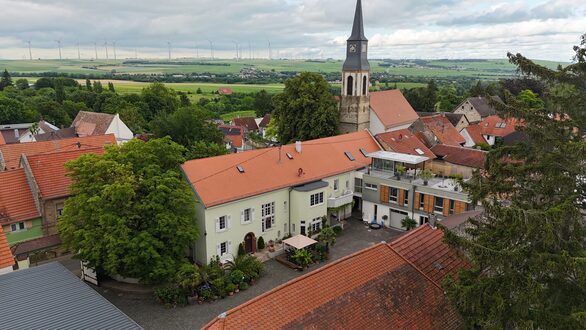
[352, 48]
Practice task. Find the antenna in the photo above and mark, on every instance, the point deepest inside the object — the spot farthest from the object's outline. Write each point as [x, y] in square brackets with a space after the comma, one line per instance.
[78, 53]
[114, 45]
[237, 50]
[106, 45]
[59, 45]
[30, 53]
[169, 46]
[270, 51]
[96, 49]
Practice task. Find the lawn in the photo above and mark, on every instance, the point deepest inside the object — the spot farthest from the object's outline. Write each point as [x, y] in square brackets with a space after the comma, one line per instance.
[237, 114]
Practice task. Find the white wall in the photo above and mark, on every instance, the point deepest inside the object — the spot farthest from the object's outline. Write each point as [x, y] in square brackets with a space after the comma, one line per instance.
[376, 126]
[120, 130]
[469, 142]
[5, 270]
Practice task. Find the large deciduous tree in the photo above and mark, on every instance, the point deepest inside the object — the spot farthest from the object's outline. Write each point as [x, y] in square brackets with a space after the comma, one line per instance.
[187, 126]
[130, 212]
[306, 109]
[528, 250]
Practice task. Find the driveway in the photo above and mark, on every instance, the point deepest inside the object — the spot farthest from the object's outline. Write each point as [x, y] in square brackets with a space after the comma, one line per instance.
[150, 315]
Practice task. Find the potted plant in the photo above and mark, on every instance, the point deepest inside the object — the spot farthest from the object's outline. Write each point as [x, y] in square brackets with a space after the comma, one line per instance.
[271, 246]
[400, 170]
[426, 175]
[408, 223]
[230, 287]
[385, 218]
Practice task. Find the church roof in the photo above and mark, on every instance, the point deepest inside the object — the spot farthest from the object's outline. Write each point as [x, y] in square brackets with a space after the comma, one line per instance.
[358, 26]
[357, 60]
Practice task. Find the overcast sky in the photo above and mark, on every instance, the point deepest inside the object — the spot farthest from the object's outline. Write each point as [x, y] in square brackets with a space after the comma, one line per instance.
[295, 28]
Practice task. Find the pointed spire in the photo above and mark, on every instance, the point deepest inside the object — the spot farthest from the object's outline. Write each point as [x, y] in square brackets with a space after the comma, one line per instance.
[358, 27]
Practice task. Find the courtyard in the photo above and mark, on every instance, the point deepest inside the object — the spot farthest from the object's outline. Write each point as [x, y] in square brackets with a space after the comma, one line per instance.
[143, 308]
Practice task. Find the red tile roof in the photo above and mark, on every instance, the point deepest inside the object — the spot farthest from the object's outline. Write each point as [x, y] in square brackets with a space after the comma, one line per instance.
[489, 126]
[6, 258]
[392, 108]
[32, 245]
[375, 288]
[461, 156]
[10, 153]
[92, 123]
[225, 91]
[404, 141]
[425, 248]
[443, 129]
[265, 121]
[270, 169]
[2, 140]
[247, 122]
[16, 199]
[233, 134]
[475, 132]
[50, 173]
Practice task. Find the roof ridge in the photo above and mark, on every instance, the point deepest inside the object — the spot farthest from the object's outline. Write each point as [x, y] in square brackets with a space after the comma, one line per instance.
[297, 279]
[409, 233]
[415, 267]
[63, 151]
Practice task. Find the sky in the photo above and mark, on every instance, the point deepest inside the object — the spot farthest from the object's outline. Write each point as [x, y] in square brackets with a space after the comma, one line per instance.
[398, 29]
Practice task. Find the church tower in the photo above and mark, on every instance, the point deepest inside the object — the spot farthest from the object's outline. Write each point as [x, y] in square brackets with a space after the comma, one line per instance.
[355, 100]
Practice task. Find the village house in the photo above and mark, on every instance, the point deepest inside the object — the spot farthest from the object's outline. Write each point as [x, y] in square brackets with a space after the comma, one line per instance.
[442, 130]
[476, 108]
[262, 124]
[458, 120]
[489, 131]
[94, 123]
[247, 123]
[23, 133]
[457, 161]
[274, 192]
[233, 137]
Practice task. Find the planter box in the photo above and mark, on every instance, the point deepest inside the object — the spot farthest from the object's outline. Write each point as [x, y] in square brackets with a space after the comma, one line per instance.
[276, 253]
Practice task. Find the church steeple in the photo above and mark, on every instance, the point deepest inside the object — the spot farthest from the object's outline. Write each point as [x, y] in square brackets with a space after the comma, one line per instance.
[357, 44]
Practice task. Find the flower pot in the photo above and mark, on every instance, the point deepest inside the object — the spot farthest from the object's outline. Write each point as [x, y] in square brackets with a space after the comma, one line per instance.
[425, 182]
[230, 293]
[237, 290]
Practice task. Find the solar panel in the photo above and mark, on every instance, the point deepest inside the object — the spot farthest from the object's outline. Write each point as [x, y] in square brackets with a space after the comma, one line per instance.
[349, 155]
[240, 169]
[363, 151]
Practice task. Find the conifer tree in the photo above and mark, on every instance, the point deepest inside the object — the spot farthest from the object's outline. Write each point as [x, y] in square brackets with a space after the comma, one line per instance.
[528, 250]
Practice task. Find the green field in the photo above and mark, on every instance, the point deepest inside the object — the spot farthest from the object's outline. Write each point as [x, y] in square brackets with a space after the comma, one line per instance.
[481, 69]
[237, 114]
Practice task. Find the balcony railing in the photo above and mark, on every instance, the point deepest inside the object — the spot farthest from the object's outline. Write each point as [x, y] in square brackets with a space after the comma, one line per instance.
[344, 199]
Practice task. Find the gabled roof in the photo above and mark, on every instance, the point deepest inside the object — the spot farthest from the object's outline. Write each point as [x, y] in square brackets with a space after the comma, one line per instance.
[65, 133]
[392, 108]
[6, 258]
[233, 135]
[497, 126]
[92, 123]
[483, 106]
[10, 153]
[247, 122]
[375, 288]
[8, 134]
[475, 133]
[454, 118]
[403, 141]
[443, 129]
[461, 156]
[16, 199]
[50, 173]
[426, 249]
[41, 243]
[265, 121]
[270, 169]
[50, 297]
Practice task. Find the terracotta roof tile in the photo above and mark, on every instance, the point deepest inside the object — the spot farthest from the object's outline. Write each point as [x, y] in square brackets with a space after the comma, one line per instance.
[392, 108]
[10, 153]
[443, 129]
[374, 288]
[50, 173]
[2, 140]
[16, 199]
[225, 91]
[233, 134]
[92, 123]
[247, 122]
[426, 249]
[460, 155]
[270, 169]
[404, 141]
[265, 121]
[35, 244]
[6, 258]
[475, 132]
[493, 125]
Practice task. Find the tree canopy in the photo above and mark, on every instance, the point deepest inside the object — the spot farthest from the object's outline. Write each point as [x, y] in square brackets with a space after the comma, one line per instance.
[306, 109]
[528, 249]
[130, 212]
[187, 126]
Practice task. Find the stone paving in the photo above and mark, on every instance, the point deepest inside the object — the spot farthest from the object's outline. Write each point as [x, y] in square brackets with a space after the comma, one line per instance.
[150, 315]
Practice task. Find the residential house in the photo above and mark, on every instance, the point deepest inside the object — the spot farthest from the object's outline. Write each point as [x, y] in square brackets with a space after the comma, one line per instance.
[51, 297]
[248, 123]
[6, 258]
[263, 123]
[22, 133]
[390, 111]
[491, 128]
[10, 153]
[225, 91]
[233, 137]
[458, 120]
[443, 131]
[376, 288]
[404, 141]
[478, 107]
[65, 133]
[20, 218]
[93, 123]
[452, 160]
[389, 195]
[274, 192]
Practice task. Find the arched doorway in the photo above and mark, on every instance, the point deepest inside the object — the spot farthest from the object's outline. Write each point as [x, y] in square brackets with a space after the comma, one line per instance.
[250, 243]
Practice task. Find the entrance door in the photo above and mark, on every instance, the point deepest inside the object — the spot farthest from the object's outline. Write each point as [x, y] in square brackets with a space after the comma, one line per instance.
[250, 243]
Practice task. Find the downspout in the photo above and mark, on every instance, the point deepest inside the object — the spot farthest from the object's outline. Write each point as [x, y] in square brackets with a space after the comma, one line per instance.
[289, 215]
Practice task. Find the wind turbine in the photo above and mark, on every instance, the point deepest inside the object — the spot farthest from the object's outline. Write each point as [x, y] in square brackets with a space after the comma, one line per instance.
[169, 45]
[106, 46]
[30, 53]
[270, 51]
[59, 46]
[96, 50]
[114, 45]
[211, 49]
[237, 50]
[78, 53]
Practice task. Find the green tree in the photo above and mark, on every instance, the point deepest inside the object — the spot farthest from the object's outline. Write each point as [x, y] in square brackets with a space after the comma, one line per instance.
[199, 91]
[447, 99]
[98, 87]
[5, 80]
[130, 115]
[59, 91]
[263, 103]
[184, 99]
[530, 99]
[159, 100]
[88, 85]
[327, 236]
[477, 90]
[306, 109]
[130, 212]
[528, 251]
[11, 111]
[111, 87]
[408, 223]
[202, 149]
[187, 126]
[22, 84]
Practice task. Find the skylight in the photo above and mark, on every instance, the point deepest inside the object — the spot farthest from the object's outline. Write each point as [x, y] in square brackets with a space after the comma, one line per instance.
[419, 151]
[364, 152]
[289, 156]
[240, 169]
[349, 155]
[501, 125]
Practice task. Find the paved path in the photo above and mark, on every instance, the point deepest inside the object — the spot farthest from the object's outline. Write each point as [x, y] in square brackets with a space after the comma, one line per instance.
[150, 315]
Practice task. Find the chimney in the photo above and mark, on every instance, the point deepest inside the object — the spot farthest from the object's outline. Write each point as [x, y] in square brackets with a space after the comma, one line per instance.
[16, 133]
[298, 146]
[432, 221]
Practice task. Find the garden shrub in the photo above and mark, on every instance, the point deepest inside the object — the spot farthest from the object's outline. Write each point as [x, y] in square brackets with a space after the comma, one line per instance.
[337, 230]
[261, 243]
[237, 276]
[171, 296]
[241, 250]
[243, 286]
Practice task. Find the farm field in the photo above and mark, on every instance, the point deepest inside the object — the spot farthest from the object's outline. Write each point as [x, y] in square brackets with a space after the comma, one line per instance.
[237, 114]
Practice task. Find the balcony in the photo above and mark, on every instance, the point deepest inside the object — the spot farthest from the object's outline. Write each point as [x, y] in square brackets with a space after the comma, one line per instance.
[344, 199]
[413, 177]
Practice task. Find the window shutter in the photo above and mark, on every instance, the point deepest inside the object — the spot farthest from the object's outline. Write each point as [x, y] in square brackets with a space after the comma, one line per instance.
[242, 217]
[384, 194]
[446, 209]
[416, 200]
[219, 249]
[252, 215]
[228, 222]
[401, 197]
[217, 225]
[273, 220]
[229, 247]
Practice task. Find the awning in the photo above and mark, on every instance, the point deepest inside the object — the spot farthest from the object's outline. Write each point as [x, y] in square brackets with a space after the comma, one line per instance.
[299, 241]
[398, 157]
